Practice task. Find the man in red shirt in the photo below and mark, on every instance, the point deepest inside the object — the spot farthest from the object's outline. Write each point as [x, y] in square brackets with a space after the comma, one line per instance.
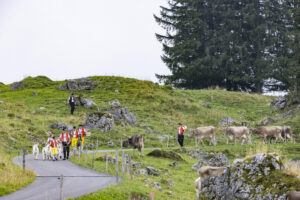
[65, 139]
[180, 134]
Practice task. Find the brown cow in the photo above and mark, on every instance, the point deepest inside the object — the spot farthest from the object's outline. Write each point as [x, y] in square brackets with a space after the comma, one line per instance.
[293, 195]
[203, 132]
[136, 141]
[205, 172]
[237, 132]
[268, 131]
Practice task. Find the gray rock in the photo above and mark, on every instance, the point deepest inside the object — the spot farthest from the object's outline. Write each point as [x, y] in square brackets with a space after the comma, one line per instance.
[79, 84]
[116, 91]
[62, 87]
[1, 102]
[156, 185]
[152, 171]
[233, 183]
[227, 121]
[42, 108]
[122, 114]
[34, 93]
[115, 103]
[137, 165]
[12, 139]
[142, 172]
[279, 103]
[171, 183]
[16, 86]
[110, 143]
[60, 126]
[100, 121]
[147, 180]
[296, 163]
[211, 159]
[207, 105]
[4, 111]
[298, 107]
[174, 164]
[268, 121]
[288, 114]
[87, 103]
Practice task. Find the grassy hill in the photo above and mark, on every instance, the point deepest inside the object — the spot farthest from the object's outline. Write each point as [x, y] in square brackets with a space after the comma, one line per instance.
[158, 110]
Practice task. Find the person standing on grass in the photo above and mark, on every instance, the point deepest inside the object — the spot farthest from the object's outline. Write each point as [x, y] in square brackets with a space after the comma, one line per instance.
[65, 139]
[180, 134]
[71, 101]
[74, 135]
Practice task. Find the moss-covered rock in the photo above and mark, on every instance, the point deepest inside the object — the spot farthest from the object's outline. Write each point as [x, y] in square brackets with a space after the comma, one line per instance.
[165, 154]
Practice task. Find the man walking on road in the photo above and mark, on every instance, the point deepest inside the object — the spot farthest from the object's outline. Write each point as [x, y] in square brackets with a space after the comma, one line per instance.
[180, 134]
[65, 139]
[71, 101]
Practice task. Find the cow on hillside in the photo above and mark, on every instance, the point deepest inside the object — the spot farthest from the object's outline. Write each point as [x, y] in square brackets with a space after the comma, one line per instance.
[136, 141]
[237, 132]
[203, 132]
[268, 131]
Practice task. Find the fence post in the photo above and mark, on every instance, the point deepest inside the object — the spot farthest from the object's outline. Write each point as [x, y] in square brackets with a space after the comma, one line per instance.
[74, 153]
[168, 141]
[93, 159]
[61, 186]
[106, 166]
[97, 145]
[130, 167]
[24, 154]
[123, 162]
[117, 168]
[85, 153]
[121, 143]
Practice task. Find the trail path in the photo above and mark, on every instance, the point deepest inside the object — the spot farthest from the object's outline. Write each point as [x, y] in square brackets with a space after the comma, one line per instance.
[77, 180]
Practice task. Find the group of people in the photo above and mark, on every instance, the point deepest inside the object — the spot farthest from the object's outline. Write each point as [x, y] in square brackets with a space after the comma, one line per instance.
[75, 138]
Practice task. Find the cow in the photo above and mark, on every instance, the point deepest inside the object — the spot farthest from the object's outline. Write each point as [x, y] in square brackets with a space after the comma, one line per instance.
[293, 195]
[268, 131]
[203, 132]
[136, 141]
[205, 172]
[237, 132]
[35, 151]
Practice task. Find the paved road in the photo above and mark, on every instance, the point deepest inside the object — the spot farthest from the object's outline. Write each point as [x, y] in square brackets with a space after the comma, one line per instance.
[78, 181]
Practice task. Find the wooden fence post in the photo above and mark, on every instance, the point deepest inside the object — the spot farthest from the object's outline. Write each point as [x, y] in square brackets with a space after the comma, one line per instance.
[97, 145]
[93, 159]
[123, 162]
[85, 154]
[61, 186]
[106, 166]
[168, 141]
[117, 168]
[79, 156]
[24, 154]
[121, 143]
[130, 167]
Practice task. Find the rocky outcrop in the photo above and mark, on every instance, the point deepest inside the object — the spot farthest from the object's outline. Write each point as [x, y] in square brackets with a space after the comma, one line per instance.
[279, 103]
[85, 102]
[120, 113]
[228, 121]
[60, 126]
[249, 178]
[268, 121]
[16, 86]
[100, 121]
[210, 159]
[79, 84]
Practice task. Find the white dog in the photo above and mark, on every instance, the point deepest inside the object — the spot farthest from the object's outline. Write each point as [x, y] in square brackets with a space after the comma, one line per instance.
[35, 151]
[47, 152]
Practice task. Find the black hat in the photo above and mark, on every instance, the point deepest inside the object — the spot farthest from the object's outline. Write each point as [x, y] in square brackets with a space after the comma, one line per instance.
[64, 128]
[74, 126]
[80, 124]
[179, 123]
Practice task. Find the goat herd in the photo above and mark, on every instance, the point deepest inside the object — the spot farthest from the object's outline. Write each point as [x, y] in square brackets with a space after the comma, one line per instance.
[242, 132]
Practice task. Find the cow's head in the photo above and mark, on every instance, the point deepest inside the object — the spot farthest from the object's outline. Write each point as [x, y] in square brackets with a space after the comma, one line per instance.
[125, 143]
[191, 132]
[255, 131]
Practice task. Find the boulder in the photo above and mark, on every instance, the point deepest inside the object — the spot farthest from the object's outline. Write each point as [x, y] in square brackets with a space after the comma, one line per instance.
[79, 84]
[60, 126]
[147, 180]
[152, 171]
[100, 121]
[165, 154]
[1, 102]
[16, 86]
[157, 186]
[247, 179]
[174, 164]
[268, 121]
[42, 108]
[207, 105]
[122, 114]
[141, 172]
[171, 183]
[137, 165]
[115, 103]
[210, 159]
[279, 103]
[34, 93]
[111, 143]
[228, 121]
[87, 103]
